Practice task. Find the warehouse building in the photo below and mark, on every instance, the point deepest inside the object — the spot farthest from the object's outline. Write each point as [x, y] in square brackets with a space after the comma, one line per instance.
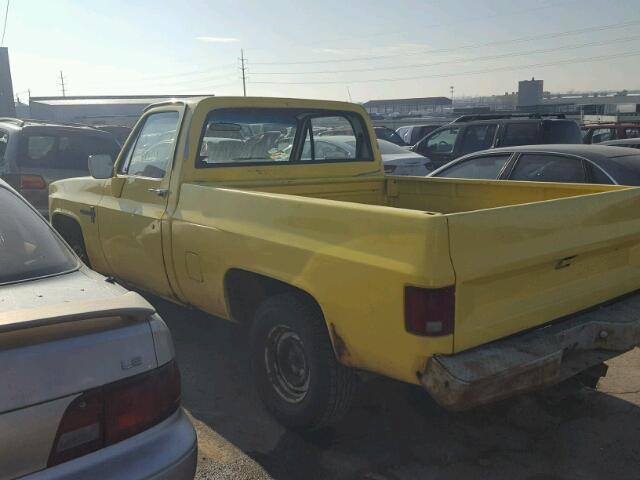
[95, 110]
[407, 106]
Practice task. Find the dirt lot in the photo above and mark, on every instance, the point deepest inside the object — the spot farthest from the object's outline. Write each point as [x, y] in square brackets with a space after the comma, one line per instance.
[395, 431]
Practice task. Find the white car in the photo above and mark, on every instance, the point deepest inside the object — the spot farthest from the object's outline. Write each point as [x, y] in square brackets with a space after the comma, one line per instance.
[397, 160]
[90, 388]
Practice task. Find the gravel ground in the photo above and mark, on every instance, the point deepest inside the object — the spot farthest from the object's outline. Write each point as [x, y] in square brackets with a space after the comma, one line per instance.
[395, 432]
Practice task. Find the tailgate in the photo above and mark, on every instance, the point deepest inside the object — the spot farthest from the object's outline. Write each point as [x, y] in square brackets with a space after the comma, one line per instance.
[521, 266]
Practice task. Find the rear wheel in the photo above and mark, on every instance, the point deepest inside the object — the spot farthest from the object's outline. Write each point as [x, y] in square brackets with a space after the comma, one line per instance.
[296, 372]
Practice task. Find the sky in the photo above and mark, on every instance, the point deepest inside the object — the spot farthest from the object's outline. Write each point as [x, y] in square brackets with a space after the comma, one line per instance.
[331, 49]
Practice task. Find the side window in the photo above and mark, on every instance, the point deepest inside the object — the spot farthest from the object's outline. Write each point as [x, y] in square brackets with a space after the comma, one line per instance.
[239, 136]
[520, 134]
[74, 150]
[596, 175]
[484, 168]
[632, 132]
[151, 155]
[477, 137]
[602, 135]
[4, 141]
[40, 151]
[442, 141]
[548, 168]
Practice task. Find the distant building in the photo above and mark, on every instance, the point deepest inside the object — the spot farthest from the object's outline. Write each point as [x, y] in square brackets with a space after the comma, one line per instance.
[95, 110]
[7, 107]
[406, 106]
[530, 92]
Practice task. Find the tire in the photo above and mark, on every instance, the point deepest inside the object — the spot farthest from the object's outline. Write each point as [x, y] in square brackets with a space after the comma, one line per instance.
[295, 369]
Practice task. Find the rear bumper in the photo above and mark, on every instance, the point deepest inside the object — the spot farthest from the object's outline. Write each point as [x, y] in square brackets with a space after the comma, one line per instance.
[167, 451]
[535, 359]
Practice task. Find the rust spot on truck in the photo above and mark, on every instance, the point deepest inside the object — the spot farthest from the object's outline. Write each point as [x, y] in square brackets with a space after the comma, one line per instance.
[338, 343]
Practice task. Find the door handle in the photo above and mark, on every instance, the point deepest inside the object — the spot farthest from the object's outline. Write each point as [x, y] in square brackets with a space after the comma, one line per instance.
[161, 192]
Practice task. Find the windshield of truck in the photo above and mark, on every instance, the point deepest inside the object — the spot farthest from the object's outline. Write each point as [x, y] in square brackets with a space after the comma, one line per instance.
[28, 247]
[242, 136]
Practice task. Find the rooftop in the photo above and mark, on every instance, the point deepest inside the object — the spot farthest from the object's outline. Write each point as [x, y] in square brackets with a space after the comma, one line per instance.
[108, 99]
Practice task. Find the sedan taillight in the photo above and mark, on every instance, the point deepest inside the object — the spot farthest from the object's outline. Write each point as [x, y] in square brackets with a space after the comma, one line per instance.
[114, 412]
[32, 182]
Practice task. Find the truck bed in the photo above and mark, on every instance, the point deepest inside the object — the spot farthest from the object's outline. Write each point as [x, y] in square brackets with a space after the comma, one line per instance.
[519, 254]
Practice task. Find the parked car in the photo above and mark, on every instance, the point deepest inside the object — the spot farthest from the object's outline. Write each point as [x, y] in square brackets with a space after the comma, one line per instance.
[625, 142]
[35, 153]
[90, 385]
[390, 135]
[338, 269]
[549, 163]
[472, 133]
[603, 132]
[411, 134]
[382, 133]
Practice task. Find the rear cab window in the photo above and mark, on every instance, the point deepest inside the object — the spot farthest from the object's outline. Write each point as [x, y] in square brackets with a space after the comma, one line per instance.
[28, 247]
[281, 136]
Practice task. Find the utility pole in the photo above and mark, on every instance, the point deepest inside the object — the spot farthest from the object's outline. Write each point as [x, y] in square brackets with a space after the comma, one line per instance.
[452, 90]
[64, 92]
[243, 69]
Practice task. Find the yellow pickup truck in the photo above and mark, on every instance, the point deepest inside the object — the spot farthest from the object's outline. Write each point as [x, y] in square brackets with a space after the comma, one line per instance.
[476, 290]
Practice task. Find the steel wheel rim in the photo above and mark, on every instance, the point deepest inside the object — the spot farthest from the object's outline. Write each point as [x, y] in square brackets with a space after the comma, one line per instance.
[287, 364]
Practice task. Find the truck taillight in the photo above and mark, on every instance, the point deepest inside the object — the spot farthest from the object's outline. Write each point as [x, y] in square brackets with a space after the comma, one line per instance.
[116, 411]
[32, 182]
[429, 311]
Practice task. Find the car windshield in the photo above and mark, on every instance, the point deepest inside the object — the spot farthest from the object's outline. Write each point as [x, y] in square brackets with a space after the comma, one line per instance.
[28, 247]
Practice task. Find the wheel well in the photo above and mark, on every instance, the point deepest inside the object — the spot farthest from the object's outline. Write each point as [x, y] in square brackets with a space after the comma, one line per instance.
[67, 227]
[245, 291]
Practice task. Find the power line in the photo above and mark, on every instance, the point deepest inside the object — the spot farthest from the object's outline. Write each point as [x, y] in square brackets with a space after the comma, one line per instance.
[476, 72]
[462, 60]
[4, 28]
[465, 47]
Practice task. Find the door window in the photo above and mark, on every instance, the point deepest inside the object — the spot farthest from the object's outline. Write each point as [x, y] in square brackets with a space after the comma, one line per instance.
[485, 168]
[548, 168]
[632, 132]
[520, 134]
[152, 153]
[602, 135]
[442, 142]
[477, 137]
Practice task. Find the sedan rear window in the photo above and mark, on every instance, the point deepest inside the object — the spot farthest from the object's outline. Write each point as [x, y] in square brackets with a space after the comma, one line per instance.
[28, 247]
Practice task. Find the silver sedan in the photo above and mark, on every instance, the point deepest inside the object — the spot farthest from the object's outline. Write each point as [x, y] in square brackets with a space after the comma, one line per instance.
[90, 385]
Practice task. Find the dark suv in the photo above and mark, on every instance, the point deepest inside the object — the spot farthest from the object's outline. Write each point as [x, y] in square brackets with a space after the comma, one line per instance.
[35, 153]
[471, 133]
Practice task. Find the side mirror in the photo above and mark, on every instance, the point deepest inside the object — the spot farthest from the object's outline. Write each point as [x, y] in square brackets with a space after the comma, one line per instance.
[101, 166]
